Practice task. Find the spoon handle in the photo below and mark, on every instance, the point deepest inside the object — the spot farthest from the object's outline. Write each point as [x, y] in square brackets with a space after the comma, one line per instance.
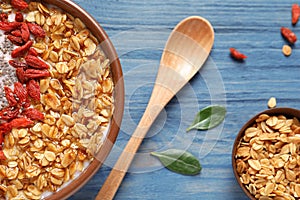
[113, 181]
[161, 95]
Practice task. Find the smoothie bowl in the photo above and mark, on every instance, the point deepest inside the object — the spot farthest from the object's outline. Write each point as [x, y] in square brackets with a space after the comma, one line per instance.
[62, 98]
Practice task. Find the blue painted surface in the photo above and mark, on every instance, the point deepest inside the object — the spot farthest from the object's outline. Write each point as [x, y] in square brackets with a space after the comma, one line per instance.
[139, 30]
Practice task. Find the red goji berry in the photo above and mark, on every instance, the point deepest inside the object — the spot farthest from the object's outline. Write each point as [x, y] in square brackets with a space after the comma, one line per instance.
[35, 62]
[3, 17]
[32, 52]
[19, 17]
[2, 156]
[9, 26]
[5, 127]
[9, 94]
[36, 30]
[15, 40]
[9, 113]
[17, 64]
[289, 35]
[21, 50]
[36, 73]
[27, 104]
[25, 34]
[21, 92]
[19, 4]
[236, 54]
[24, 75]
[33, 89]
[16, 33]
[20, 72]
[21, 122]
[1, 139]
[33, 114]
[295, 13]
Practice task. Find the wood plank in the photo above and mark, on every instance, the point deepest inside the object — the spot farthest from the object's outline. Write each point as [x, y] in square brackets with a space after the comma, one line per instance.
[139, 30]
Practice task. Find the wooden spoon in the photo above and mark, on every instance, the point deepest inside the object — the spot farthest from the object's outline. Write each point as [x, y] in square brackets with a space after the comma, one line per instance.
[185, 52]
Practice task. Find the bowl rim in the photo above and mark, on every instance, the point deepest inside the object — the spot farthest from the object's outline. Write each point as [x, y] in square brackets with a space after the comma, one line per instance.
[109, 50]
[289, 112]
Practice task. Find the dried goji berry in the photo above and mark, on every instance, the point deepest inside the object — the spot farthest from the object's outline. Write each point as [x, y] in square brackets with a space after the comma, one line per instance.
[32, 52]
[15, 40]
[19, 4]
[295, 13]
[10, 96]
[35, 73]
[33, 89]
[9, 26]
[33, 114]
[21, 122]
[17, 64]
[9, 113]
[3, 17]
[5, 127]
[35, 62]
[36, 30]
[236, 54]
[24, 75]
[289, 35]
[21, 50]
[21, 75]
[1, 139]
[16, 33]
[25, 34]
[2, 156]
[21, 92]
[27, 104]
[19, 17]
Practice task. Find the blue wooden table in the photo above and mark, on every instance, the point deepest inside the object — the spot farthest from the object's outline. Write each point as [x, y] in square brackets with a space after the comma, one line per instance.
[139, 30]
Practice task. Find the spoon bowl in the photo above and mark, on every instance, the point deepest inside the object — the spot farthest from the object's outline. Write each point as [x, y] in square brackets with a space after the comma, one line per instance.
[185, 52]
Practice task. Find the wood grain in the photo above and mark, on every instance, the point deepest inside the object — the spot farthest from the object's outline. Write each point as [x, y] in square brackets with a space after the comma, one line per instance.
[184, 54]
[139, 30]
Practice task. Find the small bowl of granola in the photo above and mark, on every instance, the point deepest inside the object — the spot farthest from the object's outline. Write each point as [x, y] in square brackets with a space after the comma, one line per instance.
[62, 98]
[265, 156]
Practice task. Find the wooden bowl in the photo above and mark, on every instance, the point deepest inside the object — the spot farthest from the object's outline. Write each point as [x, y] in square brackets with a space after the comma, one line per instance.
[288, 112]
[108, 48]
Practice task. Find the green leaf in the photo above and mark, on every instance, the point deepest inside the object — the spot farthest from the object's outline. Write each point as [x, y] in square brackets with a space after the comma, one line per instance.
[179, 161]
[208, 118]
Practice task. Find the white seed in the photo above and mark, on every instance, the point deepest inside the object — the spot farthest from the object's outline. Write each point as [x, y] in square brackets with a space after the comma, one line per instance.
[286, 50]
[272, 102]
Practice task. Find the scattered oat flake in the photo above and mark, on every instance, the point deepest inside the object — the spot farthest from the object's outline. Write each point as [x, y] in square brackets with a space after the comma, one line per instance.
[286, 50]
[272, 102]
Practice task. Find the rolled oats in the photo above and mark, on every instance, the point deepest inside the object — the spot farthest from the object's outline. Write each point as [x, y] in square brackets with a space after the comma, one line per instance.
[12, 191]
[255, 164]
[272, 121]
[267, 158]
